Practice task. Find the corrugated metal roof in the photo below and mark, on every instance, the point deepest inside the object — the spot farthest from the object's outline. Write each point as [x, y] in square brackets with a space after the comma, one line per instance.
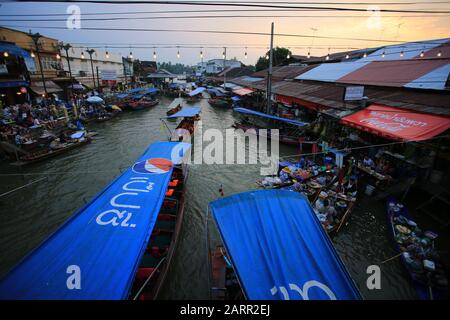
[410, 50]
[394, 73]
[330, 72]
[435, 79]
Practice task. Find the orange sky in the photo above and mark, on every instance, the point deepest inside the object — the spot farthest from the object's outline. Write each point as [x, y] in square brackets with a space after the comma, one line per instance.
[384, 27]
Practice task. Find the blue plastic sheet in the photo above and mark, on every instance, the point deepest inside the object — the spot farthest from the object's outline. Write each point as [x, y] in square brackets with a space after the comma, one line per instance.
[264, 115]
[186, 112]
[104, 241]
[279, 249]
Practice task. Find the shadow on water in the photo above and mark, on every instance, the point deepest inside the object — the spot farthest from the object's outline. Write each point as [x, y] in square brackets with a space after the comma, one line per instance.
[31, 214]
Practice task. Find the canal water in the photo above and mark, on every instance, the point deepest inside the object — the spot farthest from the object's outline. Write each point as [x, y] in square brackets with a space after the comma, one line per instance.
[65, 183]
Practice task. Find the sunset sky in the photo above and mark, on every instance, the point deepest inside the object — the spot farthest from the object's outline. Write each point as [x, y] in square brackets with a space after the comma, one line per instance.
[336, 24]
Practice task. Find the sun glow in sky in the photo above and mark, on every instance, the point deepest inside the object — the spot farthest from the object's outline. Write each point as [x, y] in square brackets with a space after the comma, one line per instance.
[367, 25]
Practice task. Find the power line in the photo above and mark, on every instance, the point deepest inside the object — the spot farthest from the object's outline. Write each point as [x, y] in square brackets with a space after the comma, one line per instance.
[184, 11]
[212, 17]
[218, 32]
[240, 4]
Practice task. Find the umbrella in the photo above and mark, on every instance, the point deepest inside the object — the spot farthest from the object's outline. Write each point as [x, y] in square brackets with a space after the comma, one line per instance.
[94, 99]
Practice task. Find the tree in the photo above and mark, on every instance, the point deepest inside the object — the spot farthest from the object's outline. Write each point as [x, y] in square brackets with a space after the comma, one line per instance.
[280, 55]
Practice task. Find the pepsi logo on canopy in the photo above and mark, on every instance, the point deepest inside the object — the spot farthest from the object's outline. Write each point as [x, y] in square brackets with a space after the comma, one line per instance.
[153, 165]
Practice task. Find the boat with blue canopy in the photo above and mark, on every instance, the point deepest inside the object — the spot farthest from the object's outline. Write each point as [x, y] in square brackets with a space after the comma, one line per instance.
[274, 247]
[195, 95]
[187, 126]
[120, 244]
[262, 124]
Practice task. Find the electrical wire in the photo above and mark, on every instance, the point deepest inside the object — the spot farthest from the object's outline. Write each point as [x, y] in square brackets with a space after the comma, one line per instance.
[239, 4]
[208, 17]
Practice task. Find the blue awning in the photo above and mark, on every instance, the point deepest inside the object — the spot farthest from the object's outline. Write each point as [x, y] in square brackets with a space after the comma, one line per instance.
[235, 98]
[279, 249]
[17, 51]
[186, 112]
[260, 114]
[104, 241]
[12, 84]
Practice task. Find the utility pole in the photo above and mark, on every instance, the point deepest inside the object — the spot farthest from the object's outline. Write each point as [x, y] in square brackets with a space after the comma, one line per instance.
[90, 52]
[35, 37]
[98, 79]
[66, 48]
[224, 66]
[269, 74]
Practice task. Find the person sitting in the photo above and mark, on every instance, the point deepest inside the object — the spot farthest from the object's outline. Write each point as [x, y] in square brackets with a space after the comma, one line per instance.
[319, 206]
[351, 187]
[368, 162]
[322, 180]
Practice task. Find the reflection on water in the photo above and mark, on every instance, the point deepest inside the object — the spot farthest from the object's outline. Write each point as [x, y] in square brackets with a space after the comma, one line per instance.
[31, 214]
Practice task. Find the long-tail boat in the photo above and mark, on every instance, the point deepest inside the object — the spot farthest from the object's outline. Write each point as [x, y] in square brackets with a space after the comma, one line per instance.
[119, 245]
[273, 247]
[187, 127]
[417, 253]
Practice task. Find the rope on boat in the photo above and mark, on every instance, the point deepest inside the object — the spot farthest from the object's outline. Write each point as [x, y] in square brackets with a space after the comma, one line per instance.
[148, 279]
[24, 186]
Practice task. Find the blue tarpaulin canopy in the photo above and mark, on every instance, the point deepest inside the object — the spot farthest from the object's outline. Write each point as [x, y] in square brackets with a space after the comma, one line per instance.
[279, 249]
[122, 95]
[215, 92]
[136, 90]
[260, 114]
[102, 244]
[137, 96]
[186, 112]
[196, 91]
[151, 91]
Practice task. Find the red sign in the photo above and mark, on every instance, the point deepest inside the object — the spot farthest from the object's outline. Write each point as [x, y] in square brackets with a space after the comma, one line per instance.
[399, 124]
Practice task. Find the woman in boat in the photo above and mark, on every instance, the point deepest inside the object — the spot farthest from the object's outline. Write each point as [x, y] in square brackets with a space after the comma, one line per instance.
[351, 187]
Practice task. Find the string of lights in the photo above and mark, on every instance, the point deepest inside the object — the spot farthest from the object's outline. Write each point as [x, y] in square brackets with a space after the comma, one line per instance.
[222, 32]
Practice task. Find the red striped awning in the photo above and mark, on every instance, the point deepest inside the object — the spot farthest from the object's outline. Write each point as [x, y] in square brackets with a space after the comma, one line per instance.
[243, 91]
[398, 124]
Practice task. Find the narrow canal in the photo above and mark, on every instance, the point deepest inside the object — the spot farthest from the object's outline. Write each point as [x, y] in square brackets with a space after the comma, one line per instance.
[31, 214]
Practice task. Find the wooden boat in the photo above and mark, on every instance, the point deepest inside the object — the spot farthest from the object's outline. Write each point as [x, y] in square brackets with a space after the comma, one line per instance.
[141, 104]
[132, 246]
[160, 250]
[193, 99]
[46, 154]
[174, 110]
[429, 285]
[223, 280]
[246, 226]
[219, 102]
